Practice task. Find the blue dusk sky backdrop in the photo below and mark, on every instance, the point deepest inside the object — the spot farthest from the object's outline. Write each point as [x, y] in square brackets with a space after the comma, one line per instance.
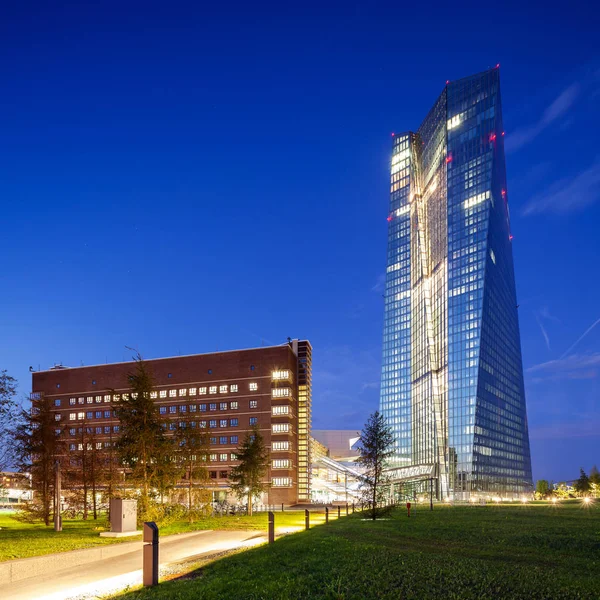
[185, 178]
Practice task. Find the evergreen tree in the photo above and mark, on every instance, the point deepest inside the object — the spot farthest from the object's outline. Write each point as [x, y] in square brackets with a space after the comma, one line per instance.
[582, 485]
[541, 488]
[248, 477]
[595, 475]
[39, 450]
[8, 415]
[376, 446]
[143, 445]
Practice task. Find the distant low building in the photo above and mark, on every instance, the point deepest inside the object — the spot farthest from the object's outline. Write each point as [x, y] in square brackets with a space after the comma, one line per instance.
[341, 443]
[335, 475]
[15, 488]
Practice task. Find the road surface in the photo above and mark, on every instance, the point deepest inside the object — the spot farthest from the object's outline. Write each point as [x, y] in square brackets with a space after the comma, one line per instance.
[114, 574]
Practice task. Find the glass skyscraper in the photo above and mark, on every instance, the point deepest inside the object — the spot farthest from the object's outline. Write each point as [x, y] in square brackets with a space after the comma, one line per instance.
[452, 375]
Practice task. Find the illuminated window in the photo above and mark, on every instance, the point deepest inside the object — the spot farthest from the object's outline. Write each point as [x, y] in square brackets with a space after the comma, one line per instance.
[279, 375]
[233, 405]
[213, 457]
[233, 387]
[253, 386]
[90, 399]
[98, 399]
[72, 446]
[183, 408]
[253, 403]
[153, 395]
[234, 456]
[107, 414]
[202, 407]
[163, 393]
[107, 397]
[280, 427]
[202, 424]
[80, 416]
[222, 389]
[280, 410]
[223, 457]
[117, 397]
[162, 410]
[57, 417]
[57, 402]
[280, 392]
[202, 391]
[281, 463]
[212, 389]
[282, 482]
[182, 391]
[98, 414]
[72, 401]
[125, 396]
[192, 391]
[172, 393]
[223, 440]
[279, 446]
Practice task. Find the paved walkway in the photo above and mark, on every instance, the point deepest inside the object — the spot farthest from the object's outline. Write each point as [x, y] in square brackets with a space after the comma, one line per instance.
[114, 574]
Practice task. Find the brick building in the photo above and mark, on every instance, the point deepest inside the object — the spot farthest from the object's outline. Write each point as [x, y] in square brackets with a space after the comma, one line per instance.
[229, 392]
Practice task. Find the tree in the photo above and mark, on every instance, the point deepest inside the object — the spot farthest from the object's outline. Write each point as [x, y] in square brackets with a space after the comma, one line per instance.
[542, 488]
[39, 449]
[376, 446]
[248, 477]
[192, 447]
[595, 475]
[8, 415]
[84, 473]
[582, 485]
[143, 444]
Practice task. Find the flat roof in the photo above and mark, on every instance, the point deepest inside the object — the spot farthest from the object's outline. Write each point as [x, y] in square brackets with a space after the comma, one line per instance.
[66, 368]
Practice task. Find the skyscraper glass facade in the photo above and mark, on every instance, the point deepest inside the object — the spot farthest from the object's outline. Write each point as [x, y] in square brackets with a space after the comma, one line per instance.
[452, 377]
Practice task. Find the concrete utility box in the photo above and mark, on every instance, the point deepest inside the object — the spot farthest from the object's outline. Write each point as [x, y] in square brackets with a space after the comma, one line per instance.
[123, 515]
[123, 518]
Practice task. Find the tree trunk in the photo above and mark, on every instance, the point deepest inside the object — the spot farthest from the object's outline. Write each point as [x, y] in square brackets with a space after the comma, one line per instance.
[250, 504]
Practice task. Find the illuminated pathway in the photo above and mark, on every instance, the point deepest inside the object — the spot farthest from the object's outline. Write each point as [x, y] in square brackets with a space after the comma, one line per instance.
[114, 574]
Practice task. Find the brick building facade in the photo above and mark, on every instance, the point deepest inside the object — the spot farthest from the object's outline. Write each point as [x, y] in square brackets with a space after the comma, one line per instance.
[228, 392]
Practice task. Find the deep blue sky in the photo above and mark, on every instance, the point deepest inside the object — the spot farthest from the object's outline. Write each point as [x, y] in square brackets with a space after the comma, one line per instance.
[181, 179]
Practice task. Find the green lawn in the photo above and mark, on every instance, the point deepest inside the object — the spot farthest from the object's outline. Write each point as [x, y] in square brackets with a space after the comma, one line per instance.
[22, 540]
[534, 551]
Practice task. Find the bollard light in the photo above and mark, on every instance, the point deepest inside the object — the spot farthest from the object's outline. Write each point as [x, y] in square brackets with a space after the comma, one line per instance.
[150, 556]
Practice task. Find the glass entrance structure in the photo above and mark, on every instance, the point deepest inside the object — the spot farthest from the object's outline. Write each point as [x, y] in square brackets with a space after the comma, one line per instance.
[452, 376]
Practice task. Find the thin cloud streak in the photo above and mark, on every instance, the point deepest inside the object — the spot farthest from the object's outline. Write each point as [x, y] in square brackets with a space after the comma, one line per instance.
[568, 194]
[544, 332]
[557, 109]
[575, 366]
[581, 337]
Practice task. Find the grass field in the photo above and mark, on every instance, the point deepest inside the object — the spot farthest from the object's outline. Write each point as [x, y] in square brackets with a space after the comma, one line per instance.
[534, 551]
[22, 540]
